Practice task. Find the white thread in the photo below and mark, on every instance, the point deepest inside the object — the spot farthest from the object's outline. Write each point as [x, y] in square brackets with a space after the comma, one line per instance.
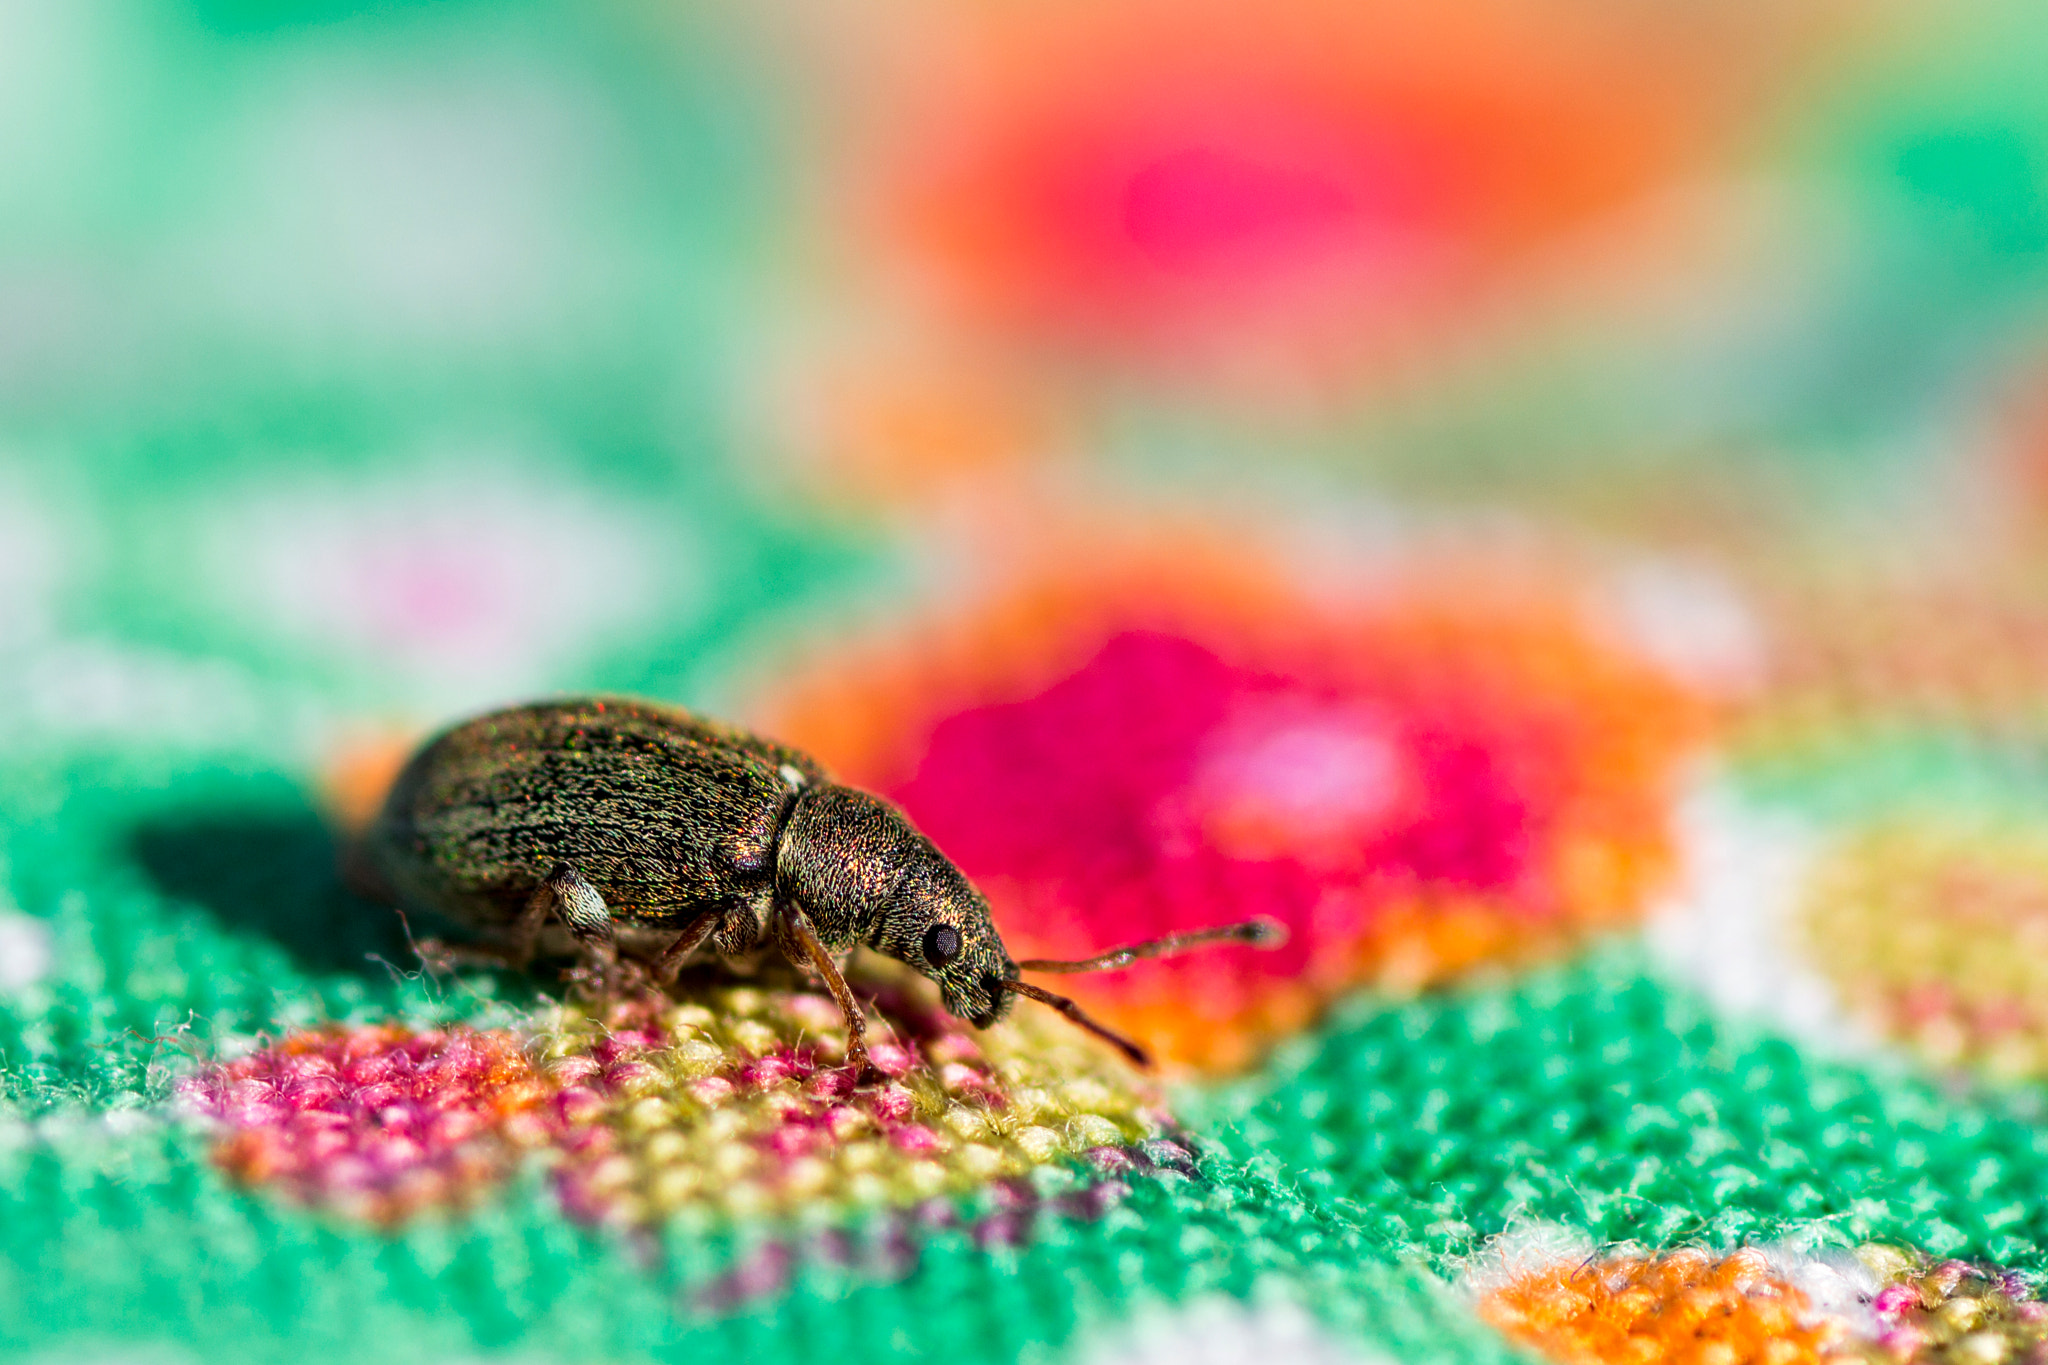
[24, 951]
[1219, 1331]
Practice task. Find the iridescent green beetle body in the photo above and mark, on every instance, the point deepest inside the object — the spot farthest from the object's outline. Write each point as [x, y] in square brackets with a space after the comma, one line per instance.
[664, 813]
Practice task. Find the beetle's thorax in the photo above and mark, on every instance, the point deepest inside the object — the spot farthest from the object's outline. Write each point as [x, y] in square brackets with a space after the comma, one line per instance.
[838, 860]
[864, 875]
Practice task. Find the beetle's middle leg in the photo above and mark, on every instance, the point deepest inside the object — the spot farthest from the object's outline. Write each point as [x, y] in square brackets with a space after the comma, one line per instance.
[671, 959]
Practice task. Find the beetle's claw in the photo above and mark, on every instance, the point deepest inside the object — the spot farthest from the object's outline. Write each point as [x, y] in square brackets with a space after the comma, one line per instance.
[441, 958]
[436, 958]
[862, 1067]
[600, 977]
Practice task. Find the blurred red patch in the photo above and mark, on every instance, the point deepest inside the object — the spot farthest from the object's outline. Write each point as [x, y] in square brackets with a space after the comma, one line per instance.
[1412, 788]
[1211, 176]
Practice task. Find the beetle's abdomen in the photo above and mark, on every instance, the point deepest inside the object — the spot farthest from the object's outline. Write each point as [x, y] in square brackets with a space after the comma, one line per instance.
[661, 812]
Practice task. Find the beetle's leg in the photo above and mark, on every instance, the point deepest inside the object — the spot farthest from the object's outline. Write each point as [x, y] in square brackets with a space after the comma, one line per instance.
[512, 949]
[520, 940]
[576, 903]
[689, 941]
[563, 894]
[437, 956]
[798, 926]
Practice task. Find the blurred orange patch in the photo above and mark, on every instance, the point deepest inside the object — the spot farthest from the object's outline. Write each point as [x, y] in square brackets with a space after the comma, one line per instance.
[910, 429]
[1195, 178]
[1682, 1308]
[359, 773]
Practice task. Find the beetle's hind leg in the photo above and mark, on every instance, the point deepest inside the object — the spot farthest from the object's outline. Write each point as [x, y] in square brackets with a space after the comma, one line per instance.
[562, 895]
[566, 896]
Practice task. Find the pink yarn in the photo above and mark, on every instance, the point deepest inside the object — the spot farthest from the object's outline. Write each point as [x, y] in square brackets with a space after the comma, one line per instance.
[377, 1122]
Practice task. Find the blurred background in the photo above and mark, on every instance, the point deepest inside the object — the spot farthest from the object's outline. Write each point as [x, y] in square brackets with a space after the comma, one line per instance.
[1474, 437]
[410, 355]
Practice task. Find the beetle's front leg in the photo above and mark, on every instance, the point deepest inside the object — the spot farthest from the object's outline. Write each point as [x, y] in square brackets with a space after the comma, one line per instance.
[798, 933]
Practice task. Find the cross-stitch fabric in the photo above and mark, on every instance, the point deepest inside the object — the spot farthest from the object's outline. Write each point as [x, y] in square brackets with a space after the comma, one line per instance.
[1544, 503]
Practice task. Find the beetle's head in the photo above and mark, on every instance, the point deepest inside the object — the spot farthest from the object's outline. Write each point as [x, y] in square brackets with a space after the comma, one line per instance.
[863, 872]
[939, 924]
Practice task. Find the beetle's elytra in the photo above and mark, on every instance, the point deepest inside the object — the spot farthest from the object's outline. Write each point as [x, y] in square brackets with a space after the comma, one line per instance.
[616, 826]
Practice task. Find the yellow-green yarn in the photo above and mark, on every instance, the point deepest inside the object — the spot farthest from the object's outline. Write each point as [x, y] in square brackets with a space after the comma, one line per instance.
[686, 1129]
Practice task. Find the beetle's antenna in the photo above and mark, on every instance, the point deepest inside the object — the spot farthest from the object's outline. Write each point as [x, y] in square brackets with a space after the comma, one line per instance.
[1265, 933]
[1138, 1055]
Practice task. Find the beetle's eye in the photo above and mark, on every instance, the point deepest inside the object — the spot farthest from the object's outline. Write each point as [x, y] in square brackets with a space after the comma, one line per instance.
[941, 944]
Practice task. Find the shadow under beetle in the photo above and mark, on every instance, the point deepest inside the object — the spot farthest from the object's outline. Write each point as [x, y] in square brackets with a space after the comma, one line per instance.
[610, 826]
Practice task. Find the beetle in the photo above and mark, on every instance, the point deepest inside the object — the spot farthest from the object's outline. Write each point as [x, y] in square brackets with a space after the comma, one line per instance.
[620, 828]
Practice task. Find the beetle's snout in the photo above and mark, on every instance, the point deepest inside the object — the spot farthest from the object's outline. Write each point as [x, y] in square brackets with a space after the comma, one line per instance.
[996, 985]
[981, 998]
[994, 1010]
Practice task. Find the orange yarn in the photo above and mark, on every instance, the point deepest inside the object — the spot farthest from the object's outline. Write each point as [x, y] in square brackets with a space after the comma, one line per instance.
[1682, 1308]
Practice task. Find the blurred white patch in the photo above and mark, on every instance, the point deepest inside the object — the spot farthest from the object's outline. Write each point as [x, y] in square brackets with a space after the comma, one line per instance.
[1218, 1331]
[24, 951]
[63, 324]
[33, 537]
[1305, 763]
[448, 203]
[1731, 935]
[467, 583]
[82, 689]
[1691, 622]
[1294, 776]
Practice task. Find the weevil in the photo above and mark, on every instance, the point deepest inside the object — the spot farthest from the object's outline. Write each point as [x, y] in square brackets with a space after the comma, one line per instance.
[622, 829]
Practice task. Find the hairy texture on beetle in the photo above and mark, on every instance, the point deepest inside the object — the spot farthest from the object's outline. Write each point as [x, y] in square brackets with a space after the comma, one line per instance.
[658, 818]
[851, 858]
[663, 812]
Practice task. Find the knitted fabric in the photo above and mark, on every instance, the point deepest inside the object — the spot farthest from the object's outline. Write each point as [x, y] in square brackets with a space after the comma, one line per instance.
[1548, 502]
[378, 1123]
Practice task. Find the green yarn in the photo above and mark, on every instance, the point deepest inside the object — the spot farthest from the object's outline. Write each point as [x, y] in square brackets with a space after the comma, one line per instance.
[1595, 1098]
[187, 908]
[202, 352]
[135, 1237]
[1885, 767]
[1401, 1135]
